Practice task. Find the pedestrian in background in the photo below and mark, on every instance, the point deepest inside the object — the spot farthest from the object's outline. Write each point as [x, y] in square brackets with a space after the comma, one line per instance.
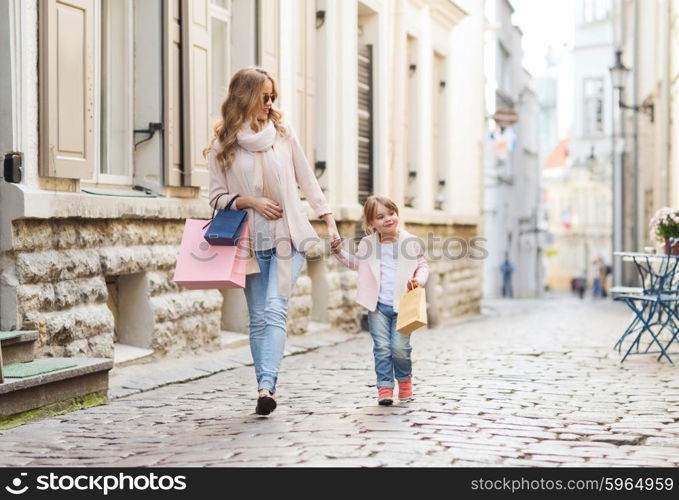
[256, 156]
[604, 271]
[597, 268]
[507, 268]
[389, 261]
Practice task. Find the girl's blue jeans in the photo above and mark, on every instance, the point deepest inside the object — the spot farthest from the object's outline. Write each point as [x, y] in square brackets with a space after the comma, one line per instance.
[391, 348]
[268, 314]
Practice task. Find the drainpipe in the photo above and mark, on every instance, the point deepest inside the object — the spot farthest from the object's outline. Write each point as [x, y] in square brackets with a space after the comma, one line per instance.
[618, 164]
[665, 173]
[635, 132]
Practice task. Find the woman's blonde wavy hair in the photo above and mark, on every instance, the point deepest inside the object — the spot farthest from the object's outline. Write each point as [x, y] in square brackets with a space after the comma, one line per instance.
[240, 106]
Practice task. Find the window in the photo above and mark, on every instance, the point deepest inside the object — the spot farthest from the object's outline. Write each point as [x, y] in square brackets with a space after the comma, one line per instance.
[593, 105]
[130, 94]
[116, 91]
[411, 153]
[438, 131]
[110, 70]
[596, 10]
[220, 16]
[504, 69]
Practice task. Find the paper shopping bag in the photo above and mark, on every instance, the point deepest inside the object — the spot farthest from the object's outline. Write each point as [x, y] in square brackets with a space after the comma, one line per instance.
[201, 266]
[412, 311]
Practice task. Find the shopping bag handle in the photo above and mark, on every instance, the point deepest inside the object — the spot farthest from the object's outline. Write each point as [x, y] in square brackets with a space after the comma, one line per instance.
[214, 209]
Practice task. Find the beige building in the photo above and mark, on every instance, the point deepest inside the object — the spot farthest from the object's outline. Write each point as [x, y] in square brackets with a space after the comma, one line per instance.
[107, 106]
[648, 32]
[512, 195]
[579, 201]
[578, 173]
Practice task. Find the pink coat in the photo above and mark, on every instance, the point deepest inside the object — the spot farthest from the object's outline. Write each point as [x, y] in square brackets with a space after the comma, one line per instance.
[296, 172]
[411, 264]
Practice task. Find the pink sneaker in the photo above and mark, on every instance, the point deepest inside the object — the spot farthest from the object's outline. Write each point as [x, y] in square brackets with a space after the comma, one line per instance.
[405, 390]
[385, 396]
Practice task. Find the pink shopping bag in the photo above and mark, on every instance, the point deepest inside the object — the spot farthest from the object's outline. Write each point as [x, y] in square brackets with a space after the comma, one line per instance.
[201, 266]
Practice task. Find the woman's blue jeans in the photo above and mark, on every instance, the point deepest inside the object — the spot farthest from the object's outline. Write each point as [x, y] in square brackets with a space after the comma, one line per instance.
[391, 348]
[268, 314]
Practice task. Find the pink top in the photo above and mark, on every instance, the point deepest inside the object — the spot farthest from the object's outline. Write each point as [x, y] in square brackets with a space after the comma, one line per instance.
[296, 172]
[410, 264]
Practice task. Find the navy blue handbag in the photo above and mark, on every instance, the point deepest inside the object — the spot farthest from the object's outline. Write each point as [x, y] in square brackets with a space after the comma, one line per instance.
[225, 228]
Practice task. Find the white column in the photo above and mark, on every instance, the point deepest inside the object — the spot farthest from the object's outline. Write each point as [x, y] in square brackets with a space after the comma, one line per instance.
[288, 30]
[7, 142]
[327, 104]
[465, 88]
[19, 87]
[397, 107]
[381, 110]
[339, 123]
[422, 127]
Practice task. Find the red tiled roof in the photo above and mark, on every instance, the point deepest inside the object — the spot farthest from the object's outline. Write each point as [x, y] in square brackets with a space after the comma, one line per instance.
[558, 156]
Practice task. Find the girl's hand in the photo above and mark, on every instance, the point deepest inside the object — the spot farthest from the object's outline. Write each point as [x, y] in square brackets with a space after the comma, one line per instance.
[267, 207]
[412, 284]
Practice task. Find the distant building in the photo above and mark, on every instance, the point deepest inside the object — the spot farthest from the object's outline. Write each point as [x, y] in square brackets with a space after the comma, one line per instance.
[513, 190]
[579, 202]
[578, 172]
[647, 34]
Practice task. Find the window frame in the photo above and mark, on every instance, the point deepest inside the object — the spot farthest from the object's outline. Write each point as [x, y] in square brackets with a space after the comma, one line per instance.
[505, 69]
[594, 11]
[99, 140]
[596, 97]
[224, 15]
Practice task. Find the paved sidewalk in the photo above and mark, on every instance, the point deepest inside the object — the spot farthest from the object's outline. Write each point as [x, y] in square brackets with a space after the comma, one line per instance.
[534, 383]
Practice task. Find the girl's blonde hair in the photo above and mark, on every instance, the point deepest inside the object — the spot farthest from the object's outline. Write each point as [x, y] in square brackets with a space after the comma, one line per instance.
[370, 210]
[240, 106]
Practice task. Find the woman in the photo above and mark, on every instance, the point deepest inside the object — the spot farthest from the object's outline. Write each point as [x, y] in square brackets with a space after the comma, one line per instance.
[256, 157]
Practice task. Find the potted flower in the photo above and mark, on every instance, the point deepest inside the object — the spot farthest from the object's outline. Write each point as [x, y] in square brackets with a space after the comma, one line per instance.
[665, 227]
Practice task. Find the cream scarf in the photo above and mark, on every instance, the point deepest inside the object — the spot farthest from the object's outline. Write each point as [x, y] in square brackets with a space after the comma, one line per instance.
[267, 180]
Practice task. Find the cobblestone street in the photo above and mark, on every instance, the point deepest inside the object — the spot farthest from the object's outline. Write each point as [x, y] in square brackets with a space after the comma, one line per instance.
[530, 383]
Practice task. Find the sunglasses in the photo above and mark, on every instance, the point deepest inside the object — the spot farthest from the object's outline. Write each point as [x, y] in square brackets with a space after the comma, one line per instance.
[266, 97]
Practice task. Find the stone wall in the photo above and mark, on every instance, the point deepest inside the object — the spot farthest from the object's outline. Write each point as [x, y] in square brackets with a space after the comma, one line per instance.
[454, 288]
[329, 294]
[60, 267]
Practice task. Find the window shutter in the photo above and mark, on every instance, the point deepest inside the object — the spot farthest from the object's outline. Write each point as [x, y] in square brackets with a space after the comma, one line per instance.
[269, 35]
[196, 90]
[365, 122]
[172, 110]
[67, 88]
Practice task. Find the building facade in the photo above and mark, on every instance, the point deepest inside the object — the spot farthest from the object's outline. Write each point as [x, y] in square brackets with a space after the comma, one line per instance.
[647, 34]
[578, 172]
[512, 171]
[110, 104]
[579, 202]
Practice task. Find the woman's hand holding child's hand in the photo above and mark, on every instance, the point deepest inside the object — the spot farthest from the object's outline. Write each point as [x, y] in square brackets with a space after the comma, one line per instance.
[336, 245]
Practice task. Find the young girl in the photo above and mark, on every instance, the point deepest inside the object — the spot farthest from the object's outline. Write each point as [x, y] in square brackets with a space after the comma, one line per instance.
[389, 261]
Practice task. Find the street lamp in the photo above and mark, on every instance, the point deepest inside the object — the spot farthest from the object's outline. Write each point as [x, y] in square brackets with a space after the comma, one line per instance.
[619, 74]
